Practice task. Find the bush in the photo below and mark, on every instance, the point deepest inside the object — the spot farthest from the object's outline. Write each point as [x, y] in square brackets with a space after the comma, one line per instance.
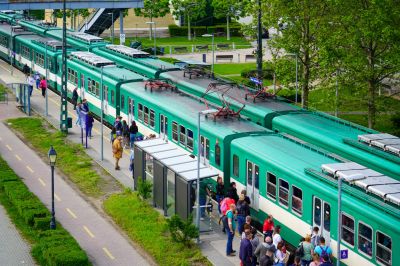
[50, 247]
[182, 231]
[267, 73]
[145, 188]
[290, 95]
[175, 30]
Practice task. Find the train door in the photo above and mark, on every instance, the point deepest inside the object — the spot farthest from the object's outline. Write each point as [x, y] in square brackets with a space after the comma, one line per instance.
[205, 150]
[253, 184]
[105, 97]
[163, 126]
[322, 218]
[82, 88]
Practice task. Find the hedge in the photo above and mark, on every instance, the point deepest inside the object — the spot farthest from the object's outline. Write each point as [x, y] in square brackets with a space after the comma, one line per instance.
[50, 247]
[174, 31]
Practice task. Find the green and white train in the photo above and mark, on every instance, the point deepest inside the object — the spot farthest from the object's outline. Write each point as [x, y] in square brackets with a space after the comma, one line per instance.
[292, 180]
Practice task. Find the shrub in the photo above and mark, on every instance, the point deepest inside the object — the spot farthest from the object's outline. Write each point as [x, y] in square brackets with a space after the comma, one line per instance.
[41, 223]
[145, 188]
[290, 95]
[182, 231]
[175, 30]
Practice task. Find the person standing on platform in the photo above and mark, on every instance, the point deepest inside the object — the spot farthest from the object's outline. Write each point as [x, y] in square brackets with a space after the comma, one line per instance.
[25, 70]
[276, 237]
[133, 130]
[85, 106]
[117, 151]
[230, 227]
[75, 97]
[220, 193]
[243, 210]
[31, 82]
[232, 192]
[37, 79]
[78, 114]
[125, 133]
[89, 125]
[246, 250]
[132, 163]
[268, 226]
[43, 86]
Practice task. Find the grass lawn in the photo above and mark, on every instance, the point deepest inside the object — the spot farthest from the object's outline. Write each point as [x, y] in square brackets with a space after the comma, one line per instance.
[71, 159]
[231, 69]
[148, 228]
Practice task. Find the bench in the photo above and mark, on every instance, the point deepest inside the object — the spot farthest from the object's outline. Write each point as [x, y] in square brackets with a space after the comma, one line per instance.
[224, 57]
[222, 46]
[249, 57]
[202, 47]
[181, 49]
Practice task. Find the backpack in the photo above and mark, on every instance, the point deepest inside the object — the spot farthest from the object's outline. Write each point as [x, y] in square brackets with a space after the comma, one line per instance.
[225, 221]
[300, 250]
[324, 253]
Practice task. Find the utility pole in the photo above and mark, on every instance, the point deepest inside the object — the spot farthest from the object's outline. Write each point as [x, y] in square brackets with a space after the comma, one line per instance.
[259, 45]
[64, 102]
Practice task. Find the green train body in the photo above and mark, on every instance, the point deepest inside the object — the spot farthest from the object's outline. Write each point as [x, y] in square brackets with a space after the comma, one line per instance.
[283, 176]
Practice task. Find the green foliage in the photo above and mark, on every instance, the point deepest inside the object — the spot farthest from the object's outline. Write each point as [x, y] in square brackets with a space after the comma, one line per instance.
[72, 159]
[189, 8]
[144, 188]
[230, 8]
[147, 227]
[37, 14]
[153, 9]
[50, 247]
[182, 231]
[174, 31]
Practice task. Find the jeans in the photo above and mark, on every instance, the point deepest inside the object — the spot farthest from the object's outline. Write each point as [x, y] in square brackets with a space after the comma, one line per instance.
[229, 249]
[279, 264]
[219, 198]
[37, 83]
[241, 220]
[305, 262]
[89, 132]
[30, 89]
[132, 139]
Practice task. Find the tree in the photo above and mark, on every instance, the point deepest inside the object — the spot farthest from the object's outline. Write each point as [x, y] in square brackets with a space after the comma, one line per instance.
[300, 22]
[366, 41]
[189, 9]
[153, 9]
[228, 9]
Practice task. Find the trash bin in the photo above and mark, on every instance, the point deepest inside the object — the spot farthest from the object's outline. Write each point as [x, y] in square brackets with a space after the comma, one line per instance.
[69, 122]
[204, 58]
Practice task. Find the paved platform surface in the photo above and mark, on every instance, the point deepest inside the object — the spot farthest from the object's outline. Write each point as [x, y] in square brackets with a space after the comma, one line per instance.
[213, 244]
[13, 248]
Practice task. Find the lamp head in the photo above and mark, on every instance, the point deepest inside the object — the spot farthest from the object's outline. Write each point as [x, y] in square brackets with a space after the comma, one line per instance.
[52, 156]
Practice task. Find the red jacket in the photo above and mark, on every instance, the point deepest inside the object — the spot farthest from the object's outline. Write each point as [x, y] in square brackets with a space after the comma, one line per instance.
[268, 226]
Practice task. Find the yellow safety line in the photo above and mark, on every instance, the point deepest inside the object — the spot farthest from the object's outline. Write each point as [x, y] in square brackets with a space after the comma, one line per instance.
[42, 182]
[88, 231]
[108, 253]
[71, 213]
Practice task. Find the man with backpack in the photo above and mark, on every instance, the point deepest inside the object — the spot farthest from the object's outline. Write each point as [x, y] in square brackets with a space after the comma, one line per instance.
[323, 250]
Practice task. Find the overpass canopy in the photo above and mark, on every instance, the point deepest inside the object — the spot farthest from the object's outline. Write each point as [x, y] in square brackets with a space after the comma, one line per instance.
[70, 4]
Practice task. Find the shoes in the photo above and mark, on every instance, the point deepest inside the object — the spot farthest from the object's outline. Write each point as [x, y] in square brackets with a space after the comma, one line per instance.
[231, 254]
[233, 251]
[201, 218]
[117, 168]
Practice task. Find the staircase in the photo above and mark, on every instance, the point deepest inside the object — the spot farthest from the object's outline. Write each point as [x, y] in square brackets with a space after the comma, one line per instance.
[99, 21]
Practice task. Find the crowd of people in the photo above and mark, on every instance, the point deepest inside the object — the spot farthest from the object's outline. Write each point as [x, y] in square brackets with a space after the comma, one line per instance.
[234, 210]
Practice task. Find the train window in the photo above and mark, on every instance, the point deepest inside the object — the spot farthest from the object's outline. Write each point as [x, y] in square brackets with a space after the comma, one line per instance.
[327, 217]
[122, 102]
[256, 176]
[365, 239]
[25, 52]
[152, 118]
[3, 41]
[175, 131]
[271, 185]
[297, 200]
[283, 192]
[182, 135]
[97, 89]
[140, 112]
[146, 115]
[317, 211]
[129, 105]
[249, 173]
[347, 229]
[105, 91]
[39, 59]
[383, 248]
[112, 97]
[89, 86]
[235, 165]
[217, 154]
[190, 139]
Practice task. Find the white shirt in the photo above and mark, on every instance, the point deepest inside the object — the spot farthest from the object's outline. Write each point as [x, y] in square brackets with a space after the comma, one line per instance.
[31, 81]
[276, 239]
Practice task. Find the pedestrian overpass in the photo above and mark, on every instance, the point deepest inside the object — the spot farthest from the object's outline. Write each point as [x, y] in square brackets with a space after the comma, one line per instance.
[70, 4]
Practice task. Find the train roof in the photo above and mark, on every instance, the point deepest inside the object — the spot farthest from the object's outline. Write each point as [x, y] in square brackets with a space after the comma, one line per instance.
[6, 29]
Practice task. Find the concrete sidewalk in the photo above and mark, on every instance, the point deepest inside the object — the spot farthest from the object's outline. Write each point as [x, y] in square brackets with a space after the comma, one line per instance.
[213, 243]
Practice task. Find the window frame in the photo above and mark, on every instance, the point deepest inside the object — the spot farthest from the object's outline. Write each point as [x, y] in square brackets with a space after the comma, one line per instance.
[175, 135]
[279, 193]
[268, 195]
[146, 115]
[376, 247]
[217, 156]
[358, 239]
[301, 200]
[140, 112]
[237, 172]
[123, 102]
[182, 136]
[347, 228]
[152, 118]
[190, 147]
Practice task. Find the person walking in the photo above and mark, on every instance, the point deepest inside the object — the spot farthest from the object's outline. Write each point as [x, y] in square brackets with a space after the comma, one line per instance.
[230, 227]
[125, 133]
[243, 210]
[315, 237]
[268, 226]
[89, 125]
[118, 125]
[78, 114]
[262, 248]
[133, 130]
[37, 79]
[276, 236]
[308, 251]
[255, 241]
[279, 255]
[74, 98]
[246, 250]
[316, 260]
[113, 135]
[31, 82]
[43, 86]
[117, 151]
[323, 250]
